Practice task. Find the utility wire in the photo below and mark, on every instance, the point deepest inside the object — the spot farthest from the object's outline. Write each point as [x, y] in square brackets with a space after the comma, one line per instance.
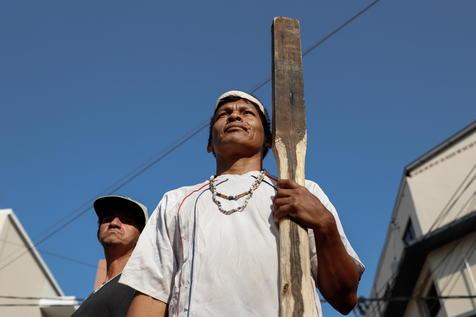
[449, 255]
[131, 176]
[468, 255]
[324, 39]
[467, 205]
[59, 256]
[127, 179]
[67, 301]
[453, 199]
[410, 298]
[456, 200]
[28, 305]
[39, 298]
[441, 266]
[343, 25]
[366, 300]
[360, 299]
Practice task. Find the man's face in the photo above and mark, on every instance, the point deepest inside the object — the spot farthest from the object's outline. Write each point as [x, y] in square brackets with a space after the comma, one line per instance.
[237, 128]
[118, 228]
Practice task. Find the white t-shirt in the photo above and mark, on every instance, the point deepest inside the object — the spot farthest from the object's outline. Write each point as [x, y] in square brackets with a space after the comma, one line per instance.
[205, 263]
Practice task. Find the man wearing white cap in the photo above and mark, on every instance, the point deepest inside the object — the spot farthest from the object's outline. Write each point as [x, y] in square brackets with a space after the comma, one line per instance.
[121, 220]
[212, 249]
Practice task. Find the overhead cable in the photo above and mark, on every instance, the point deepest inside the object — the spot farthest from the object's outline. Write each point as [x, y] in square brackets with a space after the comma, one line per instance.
[77, 213]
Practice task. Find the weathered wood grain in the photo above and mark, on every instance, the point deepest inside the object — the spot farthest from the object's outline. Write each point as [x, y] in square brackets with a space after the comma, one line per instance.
[289, 147]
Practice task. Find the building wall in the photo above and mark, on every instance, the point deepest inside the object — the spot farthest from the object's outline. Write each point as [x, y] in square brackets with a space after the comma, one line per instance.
[27, 276]
[452, 269]
[390, 257]
[432, 194]
[444, 188]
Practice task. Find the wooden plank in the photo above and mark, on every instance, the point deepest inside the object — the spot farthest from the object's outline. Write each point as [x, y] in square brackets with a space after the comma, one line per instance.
[289, 147]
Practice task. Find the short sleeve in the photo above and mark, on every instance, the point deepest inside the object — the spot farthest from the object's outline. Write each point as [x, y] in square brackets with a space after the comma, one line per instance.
[151, 267]
[319, 193]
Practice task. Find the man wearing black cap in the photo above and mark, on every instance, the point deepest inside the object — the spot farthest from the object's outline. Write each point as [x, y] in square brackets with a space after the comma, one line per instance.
[212, 249]
[121, 221]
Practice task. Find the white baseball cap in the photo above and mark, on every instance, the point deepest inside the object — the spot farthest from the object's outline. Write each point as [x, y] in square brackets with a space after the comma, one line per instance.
[243, 95]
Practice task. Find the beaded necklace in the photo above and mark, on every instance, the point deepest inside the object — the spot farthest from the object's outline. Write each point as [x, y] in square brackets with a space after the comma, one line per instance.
[247, 194]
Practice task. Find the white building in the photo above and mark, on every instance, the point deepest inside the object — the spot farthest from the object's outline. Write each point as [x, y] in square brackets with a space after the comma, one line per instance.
[428, 262]
[27, 287]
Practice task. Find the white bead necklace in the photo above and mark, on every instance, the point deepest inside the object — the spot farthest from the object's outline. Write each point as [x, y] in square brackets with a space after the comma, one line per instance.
[247, 194]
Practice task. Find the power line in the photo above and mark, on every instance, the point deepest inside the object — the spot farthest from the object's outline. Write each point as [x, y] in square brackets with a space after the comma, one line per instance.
[451, 202]
[59, 256]
[30, 305]
[467, 206]
[445, 262]
[343, 25]
[66, 301]
[39, 298]
[362, 302]
[127, 179]
[141, 169]
[27, 305]
[468, 255]
[361, 299]
[324, 39]
[410, 298]
[453, 199]
[440, 266]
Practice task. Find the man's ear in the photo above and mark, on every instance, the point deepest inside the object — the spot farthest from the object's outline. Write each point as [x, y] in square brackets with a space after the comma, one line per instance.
[210, 148]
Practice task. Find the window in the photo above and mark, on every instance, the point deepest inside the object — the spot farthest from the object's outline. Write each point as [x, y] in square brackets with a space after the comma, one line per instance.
[432, 301]
[409, 234]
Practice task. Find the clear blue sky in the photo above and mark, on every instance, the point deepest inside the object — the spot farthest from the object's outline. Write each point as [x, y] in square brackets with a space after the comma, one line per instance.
[90, 90]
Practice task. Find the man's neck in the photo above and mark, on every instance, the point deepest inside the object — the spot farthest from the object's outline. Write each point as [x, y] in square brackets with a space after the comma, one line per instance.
[239, 165]
[115, 263]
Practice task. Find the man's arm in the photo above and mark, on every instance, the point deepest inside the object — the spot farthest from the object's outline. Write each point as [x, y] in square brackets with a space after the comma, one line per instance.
[145, 306]
[338, 273]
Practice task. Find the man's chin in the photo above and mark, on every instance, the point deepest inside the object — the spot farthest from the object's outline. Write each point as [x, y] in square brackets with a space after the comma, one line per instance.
[236, 130]
[111, 241]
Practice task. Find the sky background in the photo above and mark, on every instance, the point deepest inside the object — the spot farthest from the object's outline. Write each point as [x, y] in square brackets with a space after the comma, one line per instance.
[92, 90]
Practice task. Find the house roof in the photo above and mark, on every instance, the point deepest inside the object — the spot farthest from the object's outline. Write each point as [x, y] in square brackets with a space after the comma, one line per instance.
[56, 304]
[435, 151]
[11, 217]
